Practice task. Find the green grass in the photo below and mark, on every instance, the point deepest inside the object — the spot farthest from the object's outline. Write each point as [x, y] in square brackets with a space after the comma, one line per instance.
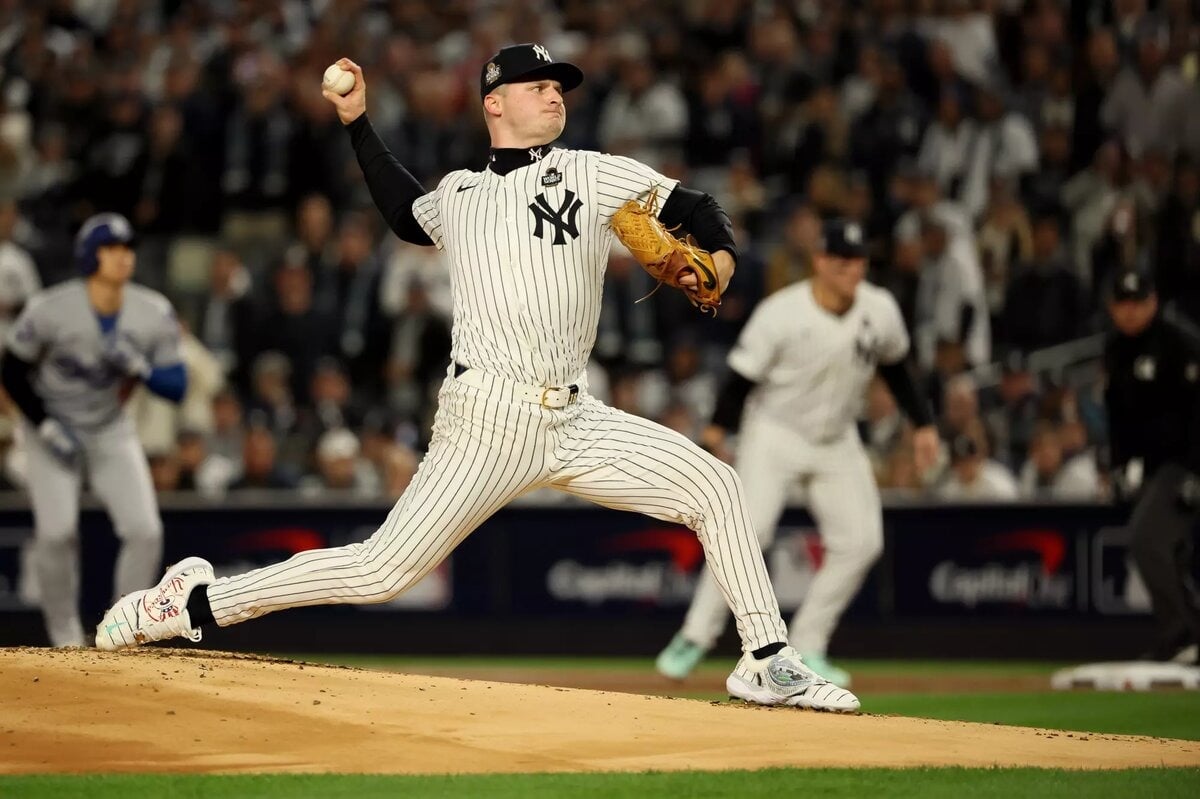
[923, 783]
[1174, 714]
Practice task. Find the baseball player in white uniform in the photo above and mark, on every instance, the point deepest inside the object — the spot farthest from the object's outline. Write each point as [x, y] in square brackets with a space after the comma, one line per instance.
[71, 359]
[801, 368]
[526, 241]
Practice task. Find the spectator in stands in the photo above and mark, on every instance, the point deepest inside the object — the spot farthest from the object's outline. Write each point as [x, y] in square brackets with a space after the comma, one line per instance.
[890, 130]
[1146, 102]
[1012, 420]
[947, 143]
[645, 116]
[417, 355]
[1177, 264]
[791, 259]
[19, 278]
[960, 406]
[260, 466]
[951, 305]
[1044, 305]
[294, 327]
[331, 404]
[1005, 146]
[1005, 242]
[348, 295]
[973, 476]
[314, 234]
[1049, 474]
[340, 467]
[1089, 197]
[1042, 190]
[226, 318]
[228, 425]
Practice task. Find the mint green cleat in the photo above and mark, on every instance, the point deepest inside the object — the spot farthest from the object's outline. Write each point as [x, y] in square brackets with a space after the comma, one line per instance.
[679, 658]
[818, 663]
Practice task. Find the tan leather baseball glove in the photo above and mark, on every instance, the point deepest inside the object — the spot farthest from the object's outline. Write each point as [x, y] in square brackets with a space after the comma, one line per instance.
[665, 257]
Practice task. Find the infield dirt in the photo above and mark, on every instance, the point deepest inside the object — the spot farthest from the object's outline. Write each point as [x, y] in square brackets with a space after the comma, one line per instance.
[169, 710]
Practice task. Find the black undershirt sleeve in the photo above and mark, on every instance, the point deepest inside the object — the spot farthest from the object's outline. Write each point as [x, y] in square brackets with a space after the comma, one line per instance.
[393, 188]
[731, 400]
[899, 378]
[17, 380]
[699, 214]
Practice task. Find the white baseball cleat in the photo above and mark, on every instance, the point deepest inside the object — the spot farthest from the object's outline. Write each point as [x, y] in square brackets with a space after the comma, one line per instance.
[157, 613]
[783, 679]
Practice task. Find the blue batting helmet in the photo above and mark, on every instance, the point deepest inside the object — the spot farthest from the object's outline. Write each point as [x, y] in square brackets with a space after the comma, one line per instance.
[96, 232]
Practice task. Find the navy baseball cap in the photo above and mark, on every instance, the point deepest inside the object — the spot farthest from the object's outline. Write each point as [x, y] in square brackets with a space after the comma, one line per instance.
[1134, 284]
[520, 63]
[843, 238]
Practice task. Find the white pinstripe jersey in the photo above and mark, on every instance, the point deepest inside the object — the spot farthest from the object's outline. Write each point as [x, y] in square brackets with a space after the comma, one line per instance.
[812, 367]
[527, 253]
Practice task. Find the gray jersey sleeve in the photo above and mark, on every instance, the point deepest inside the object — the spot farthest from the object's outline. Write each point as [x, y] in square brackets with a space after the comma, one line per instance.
[163, 339]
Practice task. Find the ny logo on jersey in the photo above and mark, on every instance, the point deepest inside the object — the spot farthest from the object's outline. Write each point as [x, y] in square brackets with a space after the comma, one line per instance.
[864, 345]
[542, 53]
[563, 218]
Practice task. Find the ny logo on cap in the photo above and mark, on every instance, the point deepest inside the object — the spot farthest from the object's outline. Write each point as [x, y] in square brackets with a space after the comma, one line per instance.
[493, 72]
[542, 53]
[1130, 282]
[853, 234]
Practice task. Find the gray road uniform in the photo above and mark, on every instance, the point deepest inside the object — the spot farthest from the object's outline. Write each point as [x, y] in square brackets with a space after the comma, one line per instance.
[68, 347]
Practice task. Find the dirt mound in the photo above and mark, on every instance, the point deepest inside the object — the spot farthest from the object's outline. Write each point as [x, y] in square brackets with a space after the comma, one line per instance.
[162, 710]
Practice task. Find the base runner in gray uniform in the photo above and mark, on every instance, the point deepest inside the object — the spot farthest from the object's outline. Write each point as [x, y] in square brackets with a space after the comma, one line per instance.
[526, 241]
[71, 358]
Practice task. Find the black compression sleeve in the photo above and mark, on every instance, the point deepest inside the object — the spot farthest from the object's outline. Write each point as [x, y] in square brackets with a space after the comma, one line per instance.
[14, 374]
[699, 214]
[393, 188]
[900, 380]
[730, 401]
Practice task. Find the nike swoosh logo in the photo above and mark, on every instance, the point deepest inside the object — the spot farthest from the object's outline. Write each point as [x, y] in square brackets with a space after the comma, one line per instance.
[464, 188]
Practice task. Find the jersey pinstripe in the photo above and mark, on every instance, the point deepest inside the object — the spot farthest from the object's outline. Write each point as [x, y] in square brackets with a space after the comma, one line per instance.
[812, 367]
[60, 333]
[527, 253]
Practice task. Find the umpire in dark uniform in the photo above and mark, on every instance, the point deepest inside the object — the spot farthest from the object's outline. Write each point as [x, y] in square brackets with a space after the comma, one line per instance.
[1152, 359]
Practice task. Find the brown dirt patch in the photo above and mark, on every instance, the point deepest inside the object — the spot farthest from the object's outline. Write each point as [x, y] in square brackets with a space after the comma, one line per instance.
[160, 710]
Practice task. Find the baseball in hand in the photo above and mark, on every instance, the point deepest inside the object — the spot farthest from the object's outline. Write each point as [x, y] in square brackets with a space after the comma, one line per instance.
[338, 80]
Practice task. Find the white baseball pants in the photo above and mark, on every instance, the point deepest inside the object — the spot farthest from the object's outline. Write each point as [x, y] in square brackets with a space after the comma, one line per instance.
[120, 477]
[486, 451]
[842, 498]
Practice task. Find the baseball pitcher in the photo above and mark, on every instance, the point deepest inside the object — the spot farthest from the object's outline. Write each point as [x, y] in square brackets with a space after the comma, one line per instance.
[71, 358]
[526, 241]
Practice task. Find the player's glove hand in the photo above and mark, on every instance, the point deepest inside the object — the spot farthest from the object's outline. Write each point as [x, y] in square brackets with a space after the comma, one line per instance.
[665, 257]
[60, 440]
[121, 354]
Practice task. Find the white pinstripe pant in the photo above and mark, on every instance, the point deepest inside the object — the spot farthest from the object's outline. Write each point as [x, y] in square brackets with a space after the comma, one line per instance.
[844, 501]
[487, 451]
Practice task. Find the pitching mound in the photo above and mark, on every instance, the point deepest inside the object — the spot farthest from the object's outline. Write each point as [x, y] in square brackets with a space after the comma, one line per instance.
[161, 710]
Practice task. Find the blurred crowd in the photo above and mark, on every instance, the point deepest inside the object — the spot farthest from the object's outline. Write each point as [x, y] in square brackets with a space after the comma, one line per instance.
[1005, 157]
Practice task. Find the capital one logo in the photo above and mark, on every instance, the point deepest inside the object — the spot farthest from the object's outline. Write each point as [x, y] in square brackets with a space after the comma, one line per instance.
[563, 218]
